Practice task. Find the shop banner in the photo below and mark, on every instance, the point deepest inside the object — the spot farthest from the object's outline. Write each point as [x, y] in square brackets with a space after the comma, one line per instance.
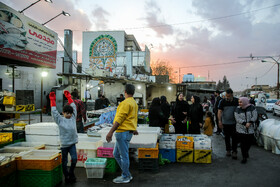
[25, 40]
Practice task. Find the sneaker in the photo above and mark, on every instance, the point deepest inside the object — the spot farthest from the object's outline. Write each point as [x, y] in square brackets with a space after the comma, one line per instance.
[228, 153]
[120, 180]
[234, 155]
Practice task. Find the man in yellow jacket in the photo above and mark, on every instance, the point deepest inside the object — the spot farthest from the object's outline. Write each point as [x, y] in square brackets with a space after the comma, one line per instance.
[125, 124]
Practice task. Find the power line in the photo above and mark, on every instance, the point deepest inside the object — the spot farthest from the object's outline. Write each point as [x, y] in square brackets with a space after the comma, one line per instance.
[209, 19]
[207, 65]
[197, 21]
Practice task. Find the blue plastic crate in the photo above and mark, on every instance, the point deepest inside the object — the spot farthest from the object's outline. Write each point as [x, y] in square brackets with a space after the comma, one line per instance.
[169, 154]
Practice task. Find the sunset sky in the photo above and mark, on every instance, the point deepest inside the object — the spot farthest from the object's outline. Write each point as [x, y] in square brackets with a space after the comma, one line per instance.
[185, 33]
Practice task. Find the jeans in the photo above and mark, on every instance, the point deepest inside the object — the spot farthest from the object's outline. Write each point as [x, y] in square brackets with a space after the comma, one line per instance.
[230, 132]
[73, 153]
[121, 153]
[80, 127]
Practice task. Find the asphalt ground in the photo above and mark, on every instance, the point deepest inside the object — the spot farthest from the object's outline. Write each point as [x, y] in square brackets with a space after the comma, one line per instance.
[261, 170]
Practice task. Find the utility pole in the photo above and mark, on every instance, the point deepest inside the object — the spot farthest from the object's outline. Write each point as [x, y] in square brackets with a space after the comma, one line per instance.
[262, 60]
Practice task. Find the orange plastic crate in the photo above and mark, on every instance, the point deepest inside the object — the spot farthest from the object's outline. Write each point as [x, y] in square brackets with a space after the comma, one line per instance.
[7, 168]
[148, 152]
[38, 164]
[184, 144]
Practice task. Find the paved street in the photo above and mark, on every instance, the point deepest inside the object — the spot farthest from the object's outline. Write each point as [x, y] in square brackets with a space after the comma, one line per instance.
[262, 169]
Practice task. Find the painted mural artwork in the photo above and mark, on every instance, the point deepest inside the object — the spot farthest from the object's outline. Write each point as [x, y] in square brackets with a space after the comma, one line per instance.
[102, 53]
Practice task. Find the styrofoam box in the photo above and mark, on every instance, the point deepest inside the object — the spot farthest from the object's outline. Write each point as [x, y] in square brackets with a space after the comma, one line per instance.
[146, 138]
[25, 146]
[202, 144]
[39, 154]
[48, 140]
[42, 129]
[86, 148]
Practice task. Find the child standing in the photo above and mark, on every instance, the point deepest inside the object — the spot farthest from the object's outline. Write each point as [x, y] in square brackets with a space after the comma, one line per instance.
[67, 134]
[209, 124]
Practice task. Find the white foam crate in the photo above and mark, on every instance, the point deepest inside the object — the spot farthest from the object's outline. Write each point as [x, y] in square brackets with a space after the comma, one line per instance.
[146, 138]
[48, 140]
[25, 146]
[42, 129]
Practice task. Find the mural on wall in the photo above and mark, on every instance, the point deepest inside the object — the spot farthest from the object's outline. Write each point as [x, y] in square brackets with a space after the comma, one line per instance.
[103, 52]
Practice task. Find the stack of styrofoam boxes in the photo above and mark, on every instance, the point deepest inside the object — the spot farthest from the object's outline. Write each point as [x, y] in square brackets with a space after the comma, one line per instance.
[147, 137]
[47, 133]
[202, 149]
[167, 146]
[39, 168]
[148, 159]
[95, 167]
[184, 147]
[86, 148]
[107, 152]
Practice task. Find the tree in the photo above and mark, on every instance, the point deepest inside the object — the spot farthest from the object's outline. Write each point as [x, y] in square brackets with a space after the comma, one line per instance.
[224, 85]
[161, 67]
[219, 85]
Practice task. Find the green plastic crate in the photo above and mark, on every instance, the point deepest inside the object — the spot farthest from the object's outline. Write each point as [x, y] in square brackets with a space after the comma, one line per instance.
[8, 180]
[34, 178]
[112, 165]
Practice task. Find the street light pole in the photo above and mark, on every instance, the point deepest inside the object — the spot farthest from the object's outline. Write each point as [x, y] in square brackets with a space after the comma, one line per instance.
[64, 13]
[277, 62]
[264, 57]
[49, 1]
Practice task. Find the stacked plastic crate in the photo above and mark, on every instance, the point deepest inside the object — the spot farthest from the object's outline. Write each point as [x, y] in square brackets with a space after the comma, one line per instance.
[112, 165]
[167, 147]
[148, 159]
[185, 151]
[95, 167]
[39, 168]
[202, 150]
[8, 173]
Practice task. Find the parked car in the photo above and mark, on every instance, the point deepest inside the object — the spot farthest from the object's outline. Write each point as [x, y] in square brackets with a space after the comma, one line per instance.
[269, 104]
[276, 108]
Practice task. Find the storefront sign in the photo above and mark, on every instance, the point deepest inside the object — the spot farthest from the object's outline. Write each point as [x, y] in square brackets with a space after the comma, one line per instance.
[25, 40]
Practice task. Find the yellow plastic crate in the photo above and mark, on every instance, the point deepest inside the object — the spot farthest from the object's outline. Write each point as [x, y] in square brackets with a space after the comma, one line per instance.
[30, 107]
[9, 100]
[21, 108]
[144, 110]
[20, 124]
[6, 137]
[148, 152]
[203, 156]
[184, 144]
[184, 155]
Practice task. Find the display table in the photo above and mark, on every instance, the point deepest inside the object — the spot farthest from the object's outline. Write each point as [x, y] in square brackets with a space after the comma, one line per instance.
[27, 112]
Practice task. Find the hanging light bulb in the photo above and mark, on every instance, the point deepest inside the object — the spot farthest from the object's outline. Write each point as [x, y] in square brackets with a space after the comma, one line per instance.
[7, 72]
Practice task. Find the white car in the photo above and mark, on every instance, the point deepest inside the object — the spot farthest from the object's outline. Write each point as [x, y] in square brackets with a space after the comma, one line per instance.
[269, 104]
[276, 108]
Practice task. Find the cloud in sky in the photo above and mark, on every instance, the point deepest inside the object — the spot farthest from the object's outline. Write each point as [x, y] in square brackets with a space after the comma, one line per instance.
[155, 21]
[100, 18]
[209, 41]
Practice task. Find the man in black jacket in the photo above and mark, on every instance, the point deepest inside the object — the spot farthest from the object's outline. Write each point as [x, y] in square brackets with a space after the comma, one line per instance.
[215, 110]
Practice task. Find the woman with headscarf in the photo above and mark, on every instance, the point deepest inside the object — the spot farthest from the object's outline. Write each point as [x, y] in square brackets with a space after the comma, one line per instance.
[179, 115]
[245, 116]
[165, 108]
[195, 115]
[155, 114]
